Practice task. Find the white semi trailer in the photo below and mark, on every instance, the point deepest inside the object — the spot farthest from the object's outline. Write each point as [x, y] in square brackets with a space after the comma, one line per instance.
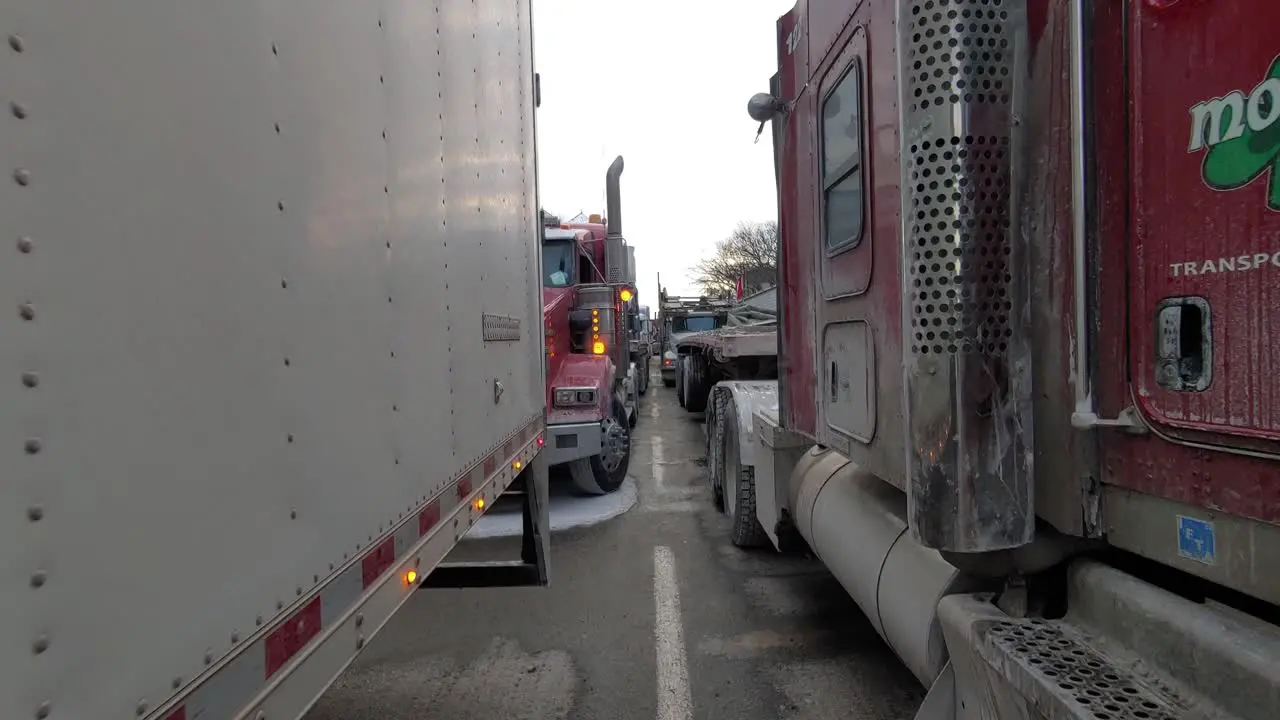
[273, 339]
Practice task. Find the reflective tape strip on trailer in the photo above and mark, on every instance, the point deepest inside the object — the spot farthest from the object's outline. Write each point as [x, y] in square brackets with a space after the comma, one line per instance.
[268, 677]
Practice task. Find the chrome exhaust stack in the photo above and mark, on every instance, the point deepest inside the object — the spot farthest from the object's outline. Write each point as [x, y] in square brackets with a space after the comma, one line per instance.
[615, 245]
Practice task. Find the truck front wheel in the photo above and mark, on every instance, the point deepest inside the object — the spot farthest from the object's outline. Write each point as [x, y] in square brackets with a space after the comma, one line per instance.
[602, 474]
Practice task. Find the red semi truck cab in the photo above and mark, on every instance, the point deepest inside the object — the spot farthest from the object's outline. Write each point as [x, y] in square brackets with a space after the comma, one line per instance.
[591, 383]
[1091, 299]
[1029, 400]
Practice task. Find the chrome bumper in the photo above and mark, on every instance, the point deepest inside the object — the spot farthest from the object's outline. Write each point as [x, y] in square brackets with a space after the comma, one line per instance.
[573, 441]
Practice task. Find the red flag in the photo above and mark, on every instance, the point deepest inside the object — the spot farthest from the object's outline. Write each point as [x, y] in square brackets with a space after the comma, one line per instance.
[738, 289]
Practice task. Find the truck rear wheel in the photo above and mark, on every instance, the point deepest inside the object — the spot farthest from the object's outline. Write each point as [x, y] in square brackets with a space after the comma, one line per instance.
[602, 474]
[680, 373]
[739, 484]
[715, 449]
[697, 378]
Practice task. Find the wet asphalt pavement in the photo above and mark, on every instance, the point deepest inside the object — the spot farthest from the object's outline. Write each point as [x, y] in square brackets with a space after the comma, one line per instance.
[650, 615]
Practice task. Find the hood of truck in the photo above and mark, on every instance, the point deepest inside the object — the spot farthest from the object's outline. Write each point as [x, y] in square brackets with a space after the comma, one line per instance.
[581, 371]
[674, 338]
[553, 296]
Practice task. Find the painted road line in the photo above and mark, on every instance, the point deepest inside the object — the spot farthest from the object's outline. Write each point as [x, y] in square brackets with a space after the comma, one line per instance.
[659, 463]
[658, 497]
[675, 701]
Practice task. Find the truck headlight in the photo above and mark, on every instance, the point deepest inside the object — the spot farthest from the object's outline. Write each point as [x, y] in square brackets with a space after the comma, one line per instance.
[571, 397]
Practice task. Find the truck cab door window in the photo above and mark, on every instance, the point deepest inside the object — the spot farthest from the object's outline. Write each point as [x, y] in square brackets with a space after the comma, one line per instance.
[842, 182]
[557, 264]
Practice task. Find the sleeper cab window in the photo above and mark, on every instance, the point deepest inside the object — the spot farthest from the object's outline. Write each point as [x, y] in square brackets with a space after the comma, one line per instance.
[842, 182]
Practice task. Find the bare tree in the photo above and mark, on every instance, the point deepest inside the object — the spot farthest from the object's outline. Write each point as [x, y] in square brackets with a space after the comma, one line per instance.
[750, 251]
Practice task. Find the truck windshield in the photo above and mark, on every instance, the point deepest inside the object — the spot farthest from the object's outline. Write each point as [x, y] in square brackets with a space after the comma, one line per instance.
[697, 323]
[557, 263]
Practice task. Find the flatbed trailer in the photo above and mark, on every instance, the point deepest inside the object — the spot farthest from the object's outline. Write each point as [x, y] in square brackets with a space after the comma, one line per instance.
[734, 343]
[273, 335]
[746, 348]
[729, 353]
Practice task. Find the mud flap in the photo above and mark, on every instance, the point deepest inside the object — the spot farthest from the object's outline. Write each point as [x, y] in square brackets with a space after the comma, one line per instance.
[940, 702]
[535, 544]
[532, 569]
[631, 395]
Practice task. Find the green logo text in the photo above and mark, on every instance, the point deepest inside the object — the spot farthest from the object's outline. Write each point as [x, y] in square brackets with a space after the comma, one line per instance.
[1242, 135]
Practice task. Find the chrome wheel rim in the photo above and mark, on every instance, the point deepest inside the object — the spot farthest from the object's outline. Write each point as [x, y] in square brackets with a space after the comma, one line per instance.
[616, 444]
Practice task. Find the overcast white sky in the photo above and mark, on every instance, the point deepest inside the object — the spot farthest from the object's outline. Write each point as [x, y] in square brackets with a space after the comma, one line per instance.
[664, 84]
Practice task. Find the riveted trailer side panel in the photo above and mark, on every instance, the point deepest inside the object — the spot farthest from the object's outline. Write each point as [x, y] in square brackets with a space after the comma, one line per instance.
[271, 278]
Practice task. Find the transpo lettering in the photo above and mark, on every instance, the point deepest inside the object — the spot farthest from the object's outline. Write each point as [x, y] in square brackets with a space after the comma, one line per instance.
[1242, 136]
[1238, 263]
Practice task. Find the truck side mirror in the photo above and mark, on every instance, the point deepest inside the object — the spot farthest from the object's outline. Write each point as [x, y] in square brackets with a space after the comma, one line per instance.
[763, 106]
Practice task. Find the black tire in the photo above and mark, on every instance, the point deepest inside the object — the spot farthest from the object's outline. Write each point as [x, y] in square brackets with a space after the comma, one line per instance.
[643, 377]
[697, 383]
[592, 476]
[715, 448]
[681, 383]
[739, 485]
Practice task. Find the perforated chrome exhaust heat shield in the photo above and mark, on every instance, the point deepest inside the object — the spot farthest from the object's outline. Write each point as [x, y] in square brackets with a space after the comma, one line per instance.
[606, 325]
[966, 355]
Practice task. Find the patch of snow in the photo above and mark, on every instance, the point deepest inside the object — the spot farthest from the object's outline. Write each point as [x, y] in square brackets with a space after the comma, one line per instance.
[566, 511]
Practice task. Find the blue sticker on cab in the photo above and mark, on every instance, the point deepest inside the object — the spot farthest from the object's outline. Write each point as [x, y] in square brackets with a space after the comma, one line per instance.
[1196, 540]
